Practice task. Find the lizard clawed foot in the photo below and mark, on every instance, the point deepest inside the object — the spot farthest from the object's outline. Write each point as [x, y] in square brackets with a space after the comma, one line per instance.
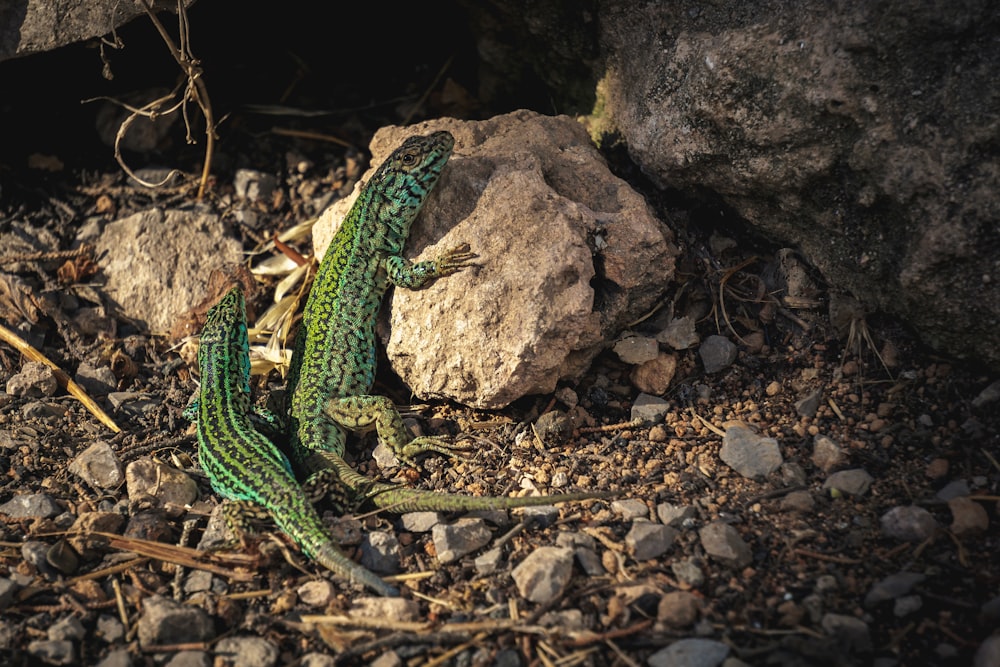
[326, 483]
[428, 443]
[453, 260]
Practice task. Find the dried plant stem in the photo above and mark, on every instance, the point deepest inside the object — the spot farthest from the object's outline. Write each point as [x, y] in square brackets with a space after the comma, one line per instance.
[196, 88]
[62, 378]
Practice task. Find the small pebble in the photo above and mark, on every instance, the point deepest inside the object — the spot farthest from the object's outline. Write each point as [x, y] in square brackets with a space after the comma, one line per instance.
[452, 541]
[827, 454]
[647, 540]
[543, 575]
[724, 543]
[678, 609]
[968, 517]
[245, 651]
[855, 482]
[748, 453]
[717, 353]
[908, 523]
[692, 652]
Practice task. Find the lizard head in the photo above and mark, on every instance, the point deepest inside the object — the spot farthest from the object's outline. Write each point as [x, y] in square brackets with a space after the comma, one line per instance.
[412, 170]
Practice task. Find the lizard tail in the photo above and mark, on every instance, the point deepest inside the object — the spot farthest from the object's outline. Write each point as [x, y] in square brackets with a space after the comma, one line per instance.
[330, 557]
[399, 499]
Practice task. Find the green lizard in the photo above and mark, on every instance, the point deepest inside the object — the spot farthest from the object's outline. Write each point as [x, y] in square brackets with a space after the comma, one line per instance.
[247, 469]
[243, 466]
[333, 362]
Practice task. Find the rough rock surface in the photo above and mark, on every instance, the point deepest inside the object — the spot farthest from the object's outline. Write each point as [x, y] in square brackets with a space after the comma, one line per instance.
[568, 254]
[32, 27]
[861, 133]
[144, 256]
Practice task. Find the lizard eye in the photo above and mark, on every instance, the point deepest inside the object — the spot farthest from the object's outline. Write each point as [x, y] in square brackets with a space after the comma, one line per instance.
[408, 159]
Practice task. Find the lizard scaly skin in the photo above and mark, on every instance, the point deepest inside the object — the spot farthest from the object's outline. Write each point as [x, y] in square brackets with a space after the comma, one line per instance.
[333, 363]
[242, 464]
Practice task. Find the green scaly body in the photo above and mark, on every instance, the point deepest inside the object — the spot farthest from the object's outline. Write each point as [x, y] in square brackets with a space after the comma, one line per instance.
[333, 363]
[242, 464]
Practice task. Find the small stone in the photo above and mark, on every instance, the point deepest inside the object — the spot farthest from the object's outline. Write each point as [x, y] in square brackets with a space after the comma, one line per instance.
[322, 660]
[164, 621]
[649, 409]
[58, 652]
[569, 619]
[149, 525]
[658, 433]
[420, 522]
[798, 501]
[391, 609]
[907, 605]
[35, 552]
[827, 454]
[688, 572]
[98, 466]
[96, 381]
[648, 540]
[452, 541]
[543, 575]
[541, 516]
[36, 380]
[855, 482]
[489, 561]
[134, 404]
[245, 651]
[773, 389]
[380, 552]
[792, 474]
[748, 453]
[990, 394]
[630, 508]
[68, 627]
[636, 349]
[8, 588]
[690, 653]
[908, 523]
[892, 587]
[954, 489]
[118, 657]
[655, 375]
[198, 581]
[968, 517]
[554, 426]
[146, 477]
[724, 543]
[675, 515]
[717, 353]
[31, 505]
[937, 469]
[50, 413]
[680, 334]
[254, 185]
[850, 632]
[808, 405]
[110, 628]
[317, 593]
[678, 609]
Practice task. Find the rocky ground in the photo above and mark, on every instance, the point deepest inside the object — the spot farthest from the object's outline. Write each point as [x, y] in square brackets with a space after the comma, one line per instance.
[811, 488]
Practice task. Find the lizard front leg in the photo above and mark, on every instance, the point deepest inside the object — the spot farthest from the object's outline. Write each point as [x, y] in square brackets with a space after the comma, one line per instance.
[361, 413]
[404, 273]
